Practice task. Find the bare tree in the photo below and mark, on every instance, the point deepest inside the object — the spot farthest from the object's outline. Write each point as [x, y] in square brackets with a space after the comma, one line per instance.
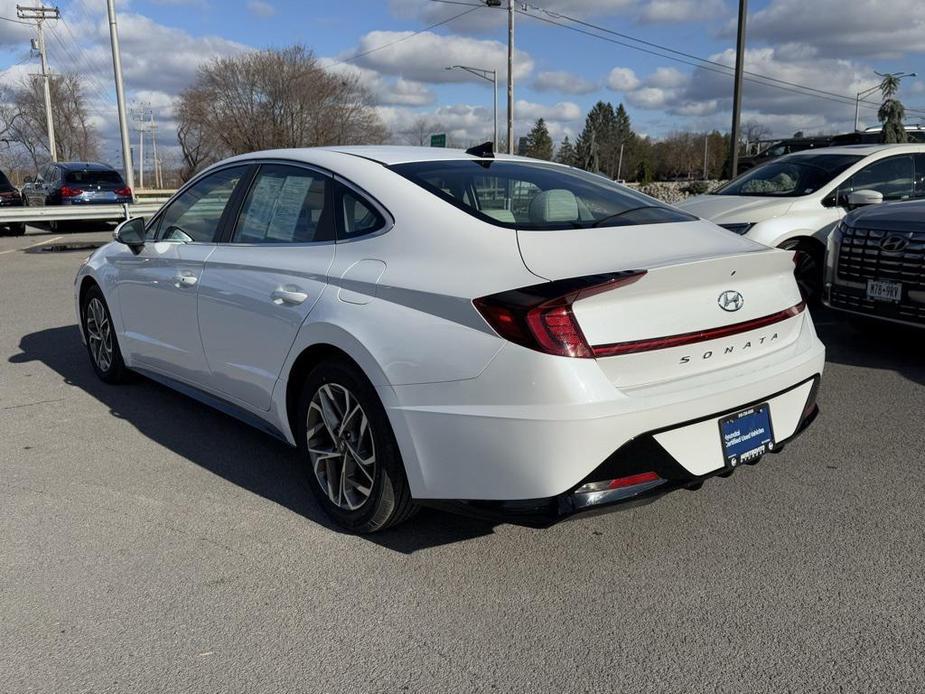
[75, 137]
[271, 99]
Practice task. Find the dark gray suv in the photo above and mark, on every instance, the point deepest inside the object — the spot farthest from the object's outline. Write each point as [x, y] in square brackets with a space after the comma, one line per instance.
[78, 183]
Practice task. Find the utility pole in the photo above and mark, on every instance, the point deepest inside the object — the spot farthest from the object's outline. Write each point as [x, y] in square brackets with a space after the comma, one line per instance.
[39, 15]
[510, 76]
[706, 140]
[141, 115]
[737, 90]
[120, 95]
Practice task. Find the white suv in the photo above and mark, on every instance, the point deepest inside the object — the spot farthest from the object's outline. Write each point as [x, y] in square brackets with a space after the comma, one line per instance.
[795, 201]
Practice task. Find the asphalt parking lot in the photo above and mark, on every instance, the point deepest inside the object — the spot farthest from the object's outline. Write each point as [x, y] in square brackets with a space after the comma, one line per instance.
[150, 544]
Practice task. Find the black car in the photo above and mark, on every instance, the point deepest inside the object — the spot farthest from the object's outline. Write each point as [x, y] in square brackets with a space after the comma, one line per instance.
[10, 197]
[78, 183]
[875, 263]
[779, 149]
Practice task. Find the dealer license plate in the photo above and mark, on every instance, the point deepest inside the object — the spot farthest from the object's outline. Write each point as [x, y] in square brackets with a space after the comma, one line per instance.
[746, 435]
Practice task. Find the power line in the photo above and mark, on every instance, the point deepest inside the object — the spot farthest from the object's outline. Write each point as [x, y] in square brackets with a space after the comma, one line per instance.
[15, 21]
[708, 65]
[409, 36]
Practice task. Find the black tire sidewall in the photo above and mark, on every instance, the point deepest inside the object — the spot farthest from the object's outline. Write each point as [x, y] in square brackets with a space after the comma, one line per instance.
[116, 372]
[389, 478]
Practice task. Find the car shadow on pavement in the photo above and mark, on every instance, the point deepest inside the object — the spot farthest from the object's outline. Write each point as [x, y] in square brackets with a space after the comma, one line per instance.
[874, 345]
[223, 445]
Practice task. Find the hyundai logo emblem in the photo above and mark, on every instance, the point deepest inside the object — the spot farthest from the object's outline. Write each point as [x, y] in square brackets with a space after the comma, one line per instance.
[894, 243]
[730, 300]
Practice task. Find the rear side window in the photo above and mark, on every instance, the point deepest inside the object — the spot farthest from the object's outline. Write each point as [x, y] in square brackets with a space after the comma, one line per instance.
[358, 217]
[286, 204]
[526, 195]
[93, 177]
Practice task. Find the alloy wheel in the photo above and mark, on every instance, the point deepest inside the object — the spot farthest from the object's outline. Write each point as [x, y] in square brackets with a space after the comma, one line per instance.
[99, 334]
[341, 447]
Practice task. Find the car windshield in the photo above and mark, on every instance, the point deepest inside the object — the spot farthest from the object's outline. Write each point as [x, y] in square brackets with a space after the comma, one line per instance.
[789, 177]
[93, 177]
[526, 195]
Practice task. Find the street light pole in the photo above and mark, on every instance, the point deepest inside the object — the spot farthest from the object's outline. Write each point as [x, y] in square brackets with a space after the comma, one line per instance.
[737, 89]
[865, 92]
[510, 76]
[120, 96]
[484, 73]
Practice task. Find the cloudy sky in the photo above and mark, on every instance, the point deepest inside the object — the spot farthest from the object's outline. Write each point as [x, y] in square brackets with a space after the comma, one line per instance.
[806, 59]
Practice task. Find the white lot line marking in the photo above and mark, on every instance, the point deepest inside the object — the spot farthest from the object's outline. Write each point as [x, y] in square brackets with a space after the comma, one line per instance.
[13, 250]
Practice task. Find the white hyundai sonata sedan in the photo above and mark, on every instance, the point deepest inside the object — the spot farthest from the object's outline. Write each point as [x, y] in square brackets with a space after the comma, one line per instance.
[492, 334]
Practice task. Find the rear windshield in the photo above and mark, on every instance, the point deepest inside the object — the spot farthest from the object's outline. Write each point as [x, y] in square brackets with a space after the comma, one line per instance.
[789, 177]
[520, 195]
[93, 177]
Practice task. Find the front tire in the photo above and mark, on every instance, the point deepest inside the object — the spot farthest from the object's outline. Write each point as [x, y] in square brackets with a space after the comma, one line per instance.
[349, 451]
[100, 336]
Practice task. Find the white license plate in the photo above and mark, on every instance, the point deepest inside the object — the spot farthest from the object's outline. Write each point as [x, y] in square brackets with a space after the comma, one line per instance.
[878, 290]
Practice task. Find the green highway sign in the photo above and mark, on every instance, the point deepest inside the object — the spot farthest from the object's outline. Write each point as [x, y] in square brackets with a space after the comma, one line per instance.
[438, 140]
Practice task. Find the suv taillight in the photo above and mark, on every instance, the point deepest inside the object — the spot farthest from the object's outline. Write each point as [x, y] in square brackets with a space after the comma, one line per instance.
[540, 317]
[124, 192]
[68, 192]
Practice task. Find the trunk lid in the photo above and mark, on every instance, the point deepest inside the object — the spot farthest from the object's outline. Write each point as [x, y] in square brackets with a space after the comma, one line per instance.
[709, 299]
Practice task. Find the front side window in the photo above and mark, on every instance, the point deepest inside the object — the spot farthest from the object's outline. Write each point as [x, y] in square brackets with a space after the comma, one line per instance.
[537, 196]
[789, 177]
[286, 204]
[892, 177]
[196, 214]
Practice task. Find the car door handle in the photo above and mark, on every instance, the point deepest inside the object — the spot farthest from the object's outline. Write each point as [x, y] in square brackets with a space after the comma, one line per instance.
[186, 279]
[288, 296]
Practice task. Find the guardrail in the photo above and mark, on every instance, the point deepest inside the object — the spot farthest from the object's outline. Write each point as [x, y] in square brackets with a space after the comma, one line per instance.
[64, 213]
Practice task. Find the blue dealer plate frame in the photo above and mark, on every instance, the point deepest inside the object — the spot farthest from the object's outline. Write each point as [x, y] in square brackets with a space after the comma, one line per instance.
[746, 435]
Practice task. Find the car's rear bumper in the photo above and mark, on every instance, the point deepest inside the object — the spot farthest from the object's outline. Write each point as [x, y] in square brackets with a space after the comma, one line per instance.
[643, 454]
[533, 426]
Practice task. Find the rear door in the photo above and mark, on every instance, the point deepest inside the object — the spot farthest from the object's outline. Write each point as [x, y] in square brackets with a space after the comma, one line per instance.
[263, 280]
[157, 286]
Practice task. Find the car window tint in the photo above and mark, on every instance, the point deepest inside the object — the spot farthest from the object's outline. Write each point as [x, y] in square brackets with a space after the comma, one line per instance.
[892, 177]
[537, 196]
[918, 187]
[195, 215]
[286, 204]
[93, 177]
[358, 216]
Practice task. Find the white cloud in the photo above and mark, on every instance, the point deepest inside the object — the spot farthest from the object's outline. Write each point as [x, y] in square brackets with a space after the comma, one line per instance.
[261, 8]
[666, 78]
[836, 28]
[562, 111]
[622, 79]
[425, 56]
[565, 82]
[681, 10]
[384, 91]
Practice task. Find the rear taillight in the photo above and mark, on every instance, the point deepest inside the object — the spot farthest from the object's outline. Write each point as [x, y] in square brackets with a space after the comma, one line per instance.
[540, 317]
[642, 478]
[68, 192]
[124, 192]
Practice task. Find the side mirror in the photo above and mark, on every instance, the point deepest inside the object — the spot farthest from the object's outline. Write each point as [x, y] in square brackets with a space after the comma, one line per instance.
[131, 232]
[860, 198]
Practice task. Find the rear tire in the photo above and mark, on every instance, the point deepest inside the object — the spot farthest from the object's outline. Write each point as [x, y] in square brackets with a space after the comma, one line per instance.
[809, 268]
[17, 229]
[100, 335]
[351, 458]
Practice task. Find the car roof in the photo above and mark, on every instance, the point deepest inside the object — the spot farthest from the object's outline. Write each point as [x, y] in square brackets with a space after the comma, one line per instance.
[83, 166]
[863, 150]
[382, 154]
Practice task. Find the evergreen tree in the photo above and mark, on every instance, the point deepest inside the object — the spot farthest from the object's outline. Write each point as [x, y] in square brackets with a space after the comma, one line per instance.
[592, 143]
[539, 143]
[566, 153]
[892, 113]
